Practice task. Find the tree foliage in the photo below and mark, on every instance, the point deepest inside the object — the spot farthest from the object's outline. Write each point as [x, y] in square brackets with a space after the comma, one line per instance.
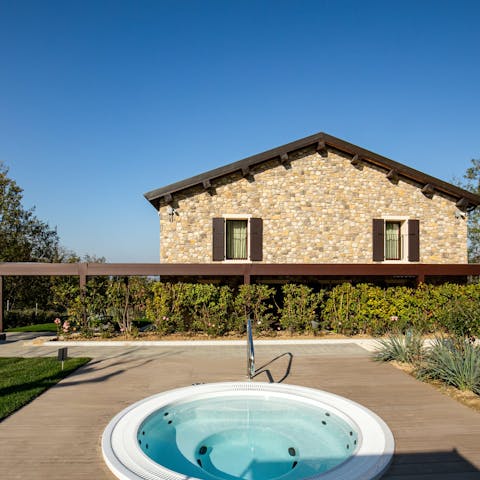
[24, 238]
[471, 182]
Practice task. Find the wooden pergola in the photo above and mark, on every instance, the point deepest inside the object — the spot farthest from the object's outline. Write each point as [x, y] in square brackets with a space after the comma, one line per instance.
[245, 272]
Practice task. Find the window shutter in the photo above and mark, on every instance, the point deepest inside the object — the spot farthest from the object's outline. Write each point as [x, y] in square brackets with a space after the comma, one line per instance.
[256, 239]
[218, 229]
[414, 240]
[378, 240]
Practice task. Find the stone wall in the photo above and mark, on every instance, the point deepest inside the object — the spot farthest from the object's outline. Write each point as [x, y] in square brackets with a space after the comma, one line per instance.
[316, 209]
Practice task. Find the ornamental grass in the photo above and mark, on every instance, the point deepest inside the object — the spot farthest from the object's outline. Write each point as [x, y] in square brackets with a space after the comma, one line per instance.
[454, 361]
[405, 348]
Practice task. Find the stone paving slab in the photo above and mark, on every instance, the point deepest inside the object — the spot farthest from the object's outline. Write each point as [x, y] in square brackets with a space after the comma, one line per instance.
[57, 436]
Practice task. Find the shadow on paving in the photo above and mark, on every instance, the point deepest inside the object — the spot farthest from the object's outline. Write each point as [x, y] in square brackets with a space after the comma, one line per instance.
[268, 372]
[45, 383]
[441, 465]
[94, 367]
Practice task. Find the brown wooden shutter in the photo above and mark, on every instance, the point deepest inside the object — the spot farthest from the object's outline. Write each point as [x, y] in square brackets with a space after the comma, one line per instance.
[378, 240]
[256, 239]
[414, 240]
[218, 229]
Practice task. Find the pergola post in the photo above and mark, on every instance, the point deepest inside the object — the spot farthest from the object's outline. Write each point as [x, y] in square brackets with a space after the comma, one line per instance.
[420, 275]
[82, 274]
[1, 303]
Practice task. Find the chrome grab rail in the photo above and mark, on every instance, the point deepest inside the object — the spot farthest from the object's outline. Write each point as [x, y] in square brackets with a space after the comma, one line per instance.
[250, 351]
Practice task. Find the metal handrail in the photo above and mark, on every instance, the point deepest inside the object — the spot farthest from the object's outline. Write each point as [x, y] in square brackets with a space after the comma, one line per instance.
[250, 351]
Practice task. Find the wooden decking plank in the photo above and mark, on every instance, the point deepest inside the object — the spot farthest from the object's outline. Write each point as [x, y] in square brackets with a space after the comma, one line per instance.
[58, 435]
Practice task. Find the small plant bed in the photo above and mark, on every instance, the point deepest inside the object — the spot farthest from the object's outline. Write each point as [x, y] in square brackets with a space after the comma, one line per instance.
[199, 336]
[450, 364]
[23, 379]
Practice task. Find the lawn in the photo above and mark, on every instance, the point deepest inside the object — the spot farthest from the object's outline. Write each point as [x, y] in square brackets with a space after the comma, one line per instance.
[23, 379]
[41, 327]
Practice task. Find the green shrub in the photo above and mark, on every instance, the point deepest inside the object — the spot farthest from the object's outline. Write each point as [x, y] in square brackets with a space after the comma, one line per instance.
[352, 309]
[454, 361]
[190, 307]
[357, 309]
[458, 309]
[299, 309]
[254, 301]
[406, 348]
[167, 309]
[409, 309]
[210, 307]
[125, 302]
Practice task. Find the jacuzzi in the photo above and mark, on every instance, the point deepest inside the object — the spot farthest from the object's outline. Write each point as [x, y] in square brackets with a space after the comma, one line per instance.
[247, 430]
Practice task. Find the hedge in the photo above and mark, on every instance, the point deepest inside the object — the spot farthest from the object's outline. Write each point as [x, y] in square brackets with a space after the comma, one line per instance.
[346, 309]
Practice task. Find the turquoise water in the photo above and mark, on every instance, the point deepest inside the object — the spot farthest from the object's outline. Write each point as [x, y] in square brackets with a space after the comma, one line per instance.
[244, 437]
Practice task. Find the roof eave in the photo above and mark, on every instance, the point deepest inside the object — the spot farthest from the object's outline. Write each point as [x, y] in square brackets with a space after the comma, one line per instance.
[465, 200]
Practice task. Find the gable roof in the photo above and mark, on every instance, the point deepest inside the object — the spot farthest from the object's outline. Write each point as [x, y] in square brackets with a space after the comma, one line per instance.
[465, 200]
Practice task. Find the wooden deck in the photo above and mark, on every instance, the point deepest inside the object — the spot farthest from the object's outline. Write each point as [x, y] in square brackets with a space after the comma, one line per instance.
[58, 435]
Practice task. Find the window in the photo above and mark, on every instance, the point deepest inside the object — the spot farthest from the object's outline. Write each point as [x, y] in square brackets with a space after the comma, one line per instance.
[396, 240]
[237, 239]
[393, 241]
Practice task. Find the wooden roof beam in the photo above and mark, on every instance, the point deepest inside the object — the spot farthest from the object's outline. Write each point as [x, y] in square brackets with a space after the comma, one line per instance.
[428, 190]
[209, 188]
[356, 161]
[392, 175]
[247, 173]
[463, 204]
[321, 148]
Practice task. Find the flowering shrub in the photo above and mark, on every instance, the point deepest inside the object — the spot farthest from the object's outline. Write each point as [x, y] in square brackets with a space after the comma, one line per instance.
[63, 329]
[58, 323]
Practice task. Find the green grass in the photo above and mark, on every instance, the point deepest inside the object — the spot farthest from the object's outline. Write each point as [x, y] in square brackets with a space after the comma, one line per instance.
[41, 327]
[23, 379]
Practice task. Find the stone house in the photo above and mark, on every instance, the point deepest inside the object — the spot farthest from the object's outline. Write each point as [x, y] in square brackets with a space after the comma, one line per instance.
[318, 200]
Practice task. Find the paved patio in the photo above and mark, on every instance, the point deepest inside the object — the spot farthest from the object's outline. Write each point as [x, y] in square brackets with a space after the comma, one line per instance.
[57, 436]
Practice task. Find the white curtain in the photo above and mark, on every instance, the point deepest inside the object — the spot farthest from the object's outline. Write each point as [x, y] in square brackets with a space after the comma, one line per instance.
[392, 241]
[237, 239]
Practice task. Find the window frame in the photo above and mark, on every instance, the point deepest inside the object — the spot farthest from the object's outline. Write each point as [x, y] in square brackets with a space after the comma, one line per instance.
[393, 240]
[236, 216]
[403, 221]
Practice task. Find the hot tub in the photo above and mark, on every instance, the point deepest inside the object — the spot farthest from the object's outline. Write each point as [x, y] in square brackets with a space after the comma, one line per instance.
[251, 431]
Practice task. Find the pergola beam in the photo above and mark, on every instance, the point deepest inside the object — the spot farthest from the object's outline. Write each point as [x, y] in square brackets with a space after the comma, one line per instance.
[84, 270]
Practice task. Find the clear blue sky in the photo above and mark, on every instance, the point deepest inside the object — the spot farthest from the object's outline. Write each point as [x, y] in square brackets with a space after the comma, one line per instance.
[101, 101]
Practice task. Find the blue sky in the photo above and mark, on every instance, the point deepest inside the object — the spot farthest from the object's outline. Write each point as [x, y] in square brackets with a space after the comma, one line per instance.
[101, 101]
